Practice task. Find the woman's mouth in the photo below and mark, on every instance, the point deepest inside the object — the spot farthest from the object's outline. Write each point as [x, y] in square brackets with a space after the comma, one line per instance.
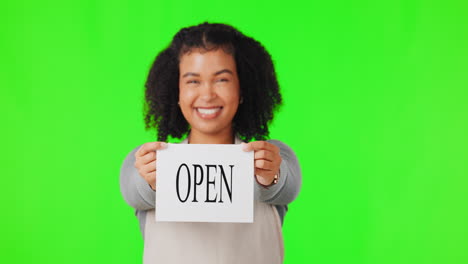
[208, 112]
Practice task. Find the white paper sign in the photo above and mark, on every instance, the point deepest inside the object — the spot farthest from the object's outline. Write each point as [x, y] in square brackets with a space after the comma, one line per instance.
[204, 183]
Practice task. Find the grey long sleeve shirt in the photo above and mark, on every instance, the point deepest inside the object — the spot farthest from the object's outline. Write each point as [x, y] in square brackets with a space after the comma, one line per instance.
[139, 195]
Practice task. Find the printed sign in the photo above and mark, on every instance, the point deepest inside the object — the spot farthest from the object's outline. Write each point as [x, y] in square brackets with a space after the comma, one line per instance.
[204, 183]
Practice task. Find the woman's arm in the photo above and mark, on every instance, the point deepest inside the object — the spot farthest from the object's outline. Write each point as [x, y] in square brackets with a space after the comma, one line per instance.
[289, 182]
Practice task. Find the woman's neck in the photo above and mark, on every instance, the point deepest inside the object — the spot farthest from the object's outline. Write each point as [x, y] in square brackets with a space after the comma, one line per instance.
[198, 138]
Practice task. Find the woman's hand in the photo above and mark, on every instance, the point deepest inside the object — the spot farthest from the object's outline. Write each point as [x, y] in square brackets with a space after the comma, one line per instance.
[267, 160]
[145, 161]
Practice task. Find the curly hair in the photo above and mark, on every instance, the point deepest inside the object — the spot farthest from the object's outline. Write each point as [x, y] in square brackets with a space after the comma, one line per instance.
[257, 80]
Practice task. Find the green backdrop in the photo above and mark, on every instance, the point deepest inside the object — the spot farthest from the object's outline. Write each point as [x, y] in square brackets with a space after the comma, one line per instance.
[375, 107]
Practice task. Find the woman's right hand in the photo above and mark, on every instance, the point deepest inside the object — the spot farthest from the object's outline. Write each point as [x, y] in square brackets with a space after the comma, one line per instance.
[145, 161]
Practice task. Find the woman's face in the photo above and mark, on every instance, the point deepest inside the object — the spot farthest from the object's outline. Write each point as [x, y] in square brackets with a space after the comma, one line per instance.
[208, 91]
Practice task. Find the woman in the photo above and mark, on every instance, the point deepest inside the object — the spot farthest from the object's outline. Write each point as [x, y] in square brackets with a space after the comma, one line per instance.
[213, 85]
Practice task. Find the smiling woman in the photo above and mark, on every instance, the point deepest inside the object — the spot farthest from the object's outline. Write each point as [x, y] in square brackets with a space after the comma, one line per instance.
[245, 57]
[213, 85]
[209, 94]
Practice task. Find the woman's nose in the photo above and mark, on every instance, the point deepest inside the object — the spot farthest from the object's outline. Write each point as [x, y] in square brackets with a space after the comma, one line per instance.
[208, 92]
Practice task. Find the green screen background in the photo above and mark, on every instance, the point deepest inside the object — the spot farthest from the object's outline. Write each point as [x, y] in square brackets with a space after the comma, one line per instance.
[375, 107]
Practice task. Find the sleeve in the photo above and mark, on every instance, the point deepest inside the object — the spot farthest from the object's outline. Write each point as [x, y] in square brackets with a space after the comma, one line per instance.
[289, 182]
[135, 190]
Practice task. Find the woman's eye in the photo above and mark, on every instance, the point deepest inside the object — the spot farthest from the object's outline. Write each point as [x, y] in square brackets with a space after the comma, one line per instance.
[223, 80]
[192, 81]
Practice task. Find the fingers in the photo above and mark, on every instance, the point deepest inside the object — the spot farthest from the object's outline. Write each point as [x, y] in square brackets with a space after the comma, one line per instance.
[145, 161]
[267, 158]
[147, 153]
[259, 145]
[141, 161]
[264, 154]
[148, 172]
[150, 147]
[149, 157]
[147, 168]
[150, 167]
[264, 173]
[150, 178]
[264, 165]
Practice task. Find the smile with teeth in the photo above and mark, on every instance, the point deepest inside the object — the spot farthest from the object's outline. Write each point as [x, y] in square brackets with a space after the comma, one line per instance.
[208, 113]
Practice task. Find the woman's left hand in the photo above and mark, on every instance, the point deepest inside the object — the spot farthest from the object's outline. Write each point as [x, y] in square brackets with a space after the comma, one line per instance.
[267, 160]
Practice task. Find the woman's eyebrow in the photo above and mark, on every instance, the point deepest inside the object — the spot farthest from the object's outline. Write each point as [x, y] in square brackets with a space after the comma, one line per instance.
[223, 71]
[190, 74]
[198, 75]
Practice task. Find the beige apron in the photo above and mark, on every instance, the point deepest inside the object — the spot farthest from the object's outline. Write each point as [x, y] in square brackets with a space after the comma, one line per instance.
[181, 242]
